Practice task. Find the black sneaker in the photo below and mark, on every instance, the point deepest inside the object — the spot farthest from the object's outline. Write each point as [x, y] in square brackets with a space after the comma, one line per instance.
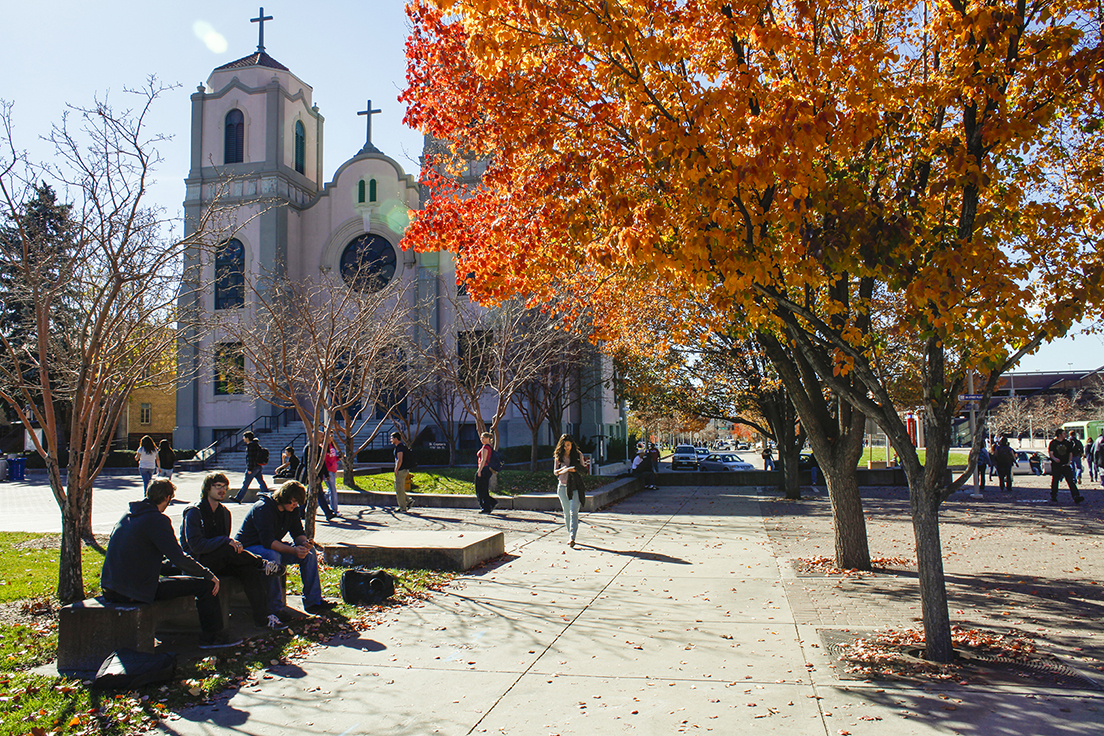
[217, 641]
[1079, 499]
[320, 607]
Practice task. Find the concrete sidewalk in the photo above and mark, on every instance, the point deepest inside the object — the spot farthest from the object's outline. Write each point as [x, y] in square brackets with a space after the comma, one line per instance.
[671, 616]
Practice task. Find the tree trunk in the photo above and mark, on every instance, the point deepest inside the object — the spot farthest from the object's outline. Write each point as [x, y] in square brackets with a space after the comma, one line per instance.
[452, 454]
[533, 450]
[789, 453]
[852, 550]
[70, 573]
[933, 585]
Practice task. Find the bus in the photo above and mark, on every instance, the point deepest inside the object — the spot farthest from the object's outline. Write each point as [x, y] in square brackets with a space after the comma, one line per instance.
[1090, 429]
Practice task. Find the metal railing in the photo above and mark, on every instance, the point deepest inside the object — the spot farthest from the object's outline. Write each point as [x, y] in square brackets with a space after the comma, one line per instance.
[232, 442]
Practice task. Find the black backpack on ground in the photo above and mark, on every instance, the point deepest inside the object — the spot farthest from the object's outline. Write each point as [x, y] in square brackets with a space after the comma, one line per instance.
[360, 587]
[126, 669]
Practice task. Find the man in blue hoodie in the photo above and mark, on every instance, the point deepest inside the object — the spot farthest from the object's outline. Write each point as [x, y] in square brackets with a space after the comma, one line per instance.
[262, 532]
[139, 543]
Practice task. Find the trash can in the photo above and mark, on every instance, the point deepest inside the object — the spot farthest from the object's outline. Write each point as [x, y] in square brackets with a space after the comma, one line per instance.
[17, 467]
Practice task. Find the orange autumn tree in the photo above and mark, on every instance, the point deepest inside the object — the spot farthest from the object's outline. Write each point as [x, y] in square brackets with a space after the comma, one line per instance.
[805, 162]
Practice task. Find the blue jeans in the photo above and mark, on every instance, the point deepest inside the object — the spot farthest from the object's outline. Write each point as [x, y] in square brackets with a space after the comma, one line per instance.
[570, 509]
[258, 473]
[308, 573]
[147, 476]
[331, 481]
[768, 463]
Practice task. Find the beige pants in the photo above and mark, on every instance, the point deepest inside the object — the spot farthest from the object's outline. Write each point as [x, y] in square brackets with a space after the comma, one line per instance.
[400, 487]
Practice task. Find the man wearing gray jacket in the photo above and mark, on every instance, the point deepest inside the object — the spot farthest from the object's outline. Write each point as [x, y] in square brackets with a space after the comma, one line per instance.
[205, 534]
[139, 543]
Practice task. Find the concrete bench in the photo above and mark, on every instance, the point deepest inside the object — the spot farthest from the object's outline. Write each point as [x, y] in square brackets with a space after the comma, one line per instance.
[455, 551]
[91, 629]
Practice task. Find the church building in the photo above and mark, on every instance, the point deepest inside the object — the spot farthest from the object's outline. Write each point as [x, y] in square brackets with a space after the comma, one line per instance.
[257, 146]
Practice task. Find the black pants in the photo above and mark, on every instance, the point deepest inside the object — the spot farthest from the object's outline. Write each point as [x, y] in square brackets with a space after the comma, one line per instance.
[483, 489]
[1004, 478]
[246, 567]
[982, 467]
[178, 586]
[1057, 472]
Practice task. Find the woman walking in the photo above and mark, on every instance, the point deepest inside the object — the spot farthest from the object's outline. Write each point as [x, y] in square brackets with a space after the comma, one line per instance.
[569, 467]
[166, 458]
[148, 462]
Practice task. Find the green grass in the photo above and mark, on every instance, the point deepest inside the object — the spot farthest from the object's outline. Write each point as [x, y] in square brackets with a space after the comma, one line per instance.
[878, 454]
[41, 704]
[30, 570]
[458, 481]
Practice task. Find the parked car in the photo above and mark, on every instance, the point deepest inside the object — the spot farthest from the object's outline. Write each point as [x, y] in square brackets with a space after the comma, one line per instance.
[684, 455]
[724, 462]
[1023, 463]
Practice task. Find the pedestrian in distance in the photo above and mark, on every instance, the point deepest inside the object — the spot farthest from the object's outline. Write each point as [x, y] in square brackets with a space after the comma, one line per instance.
[1003, 459]
[333, 459]
[1077, 454]
[569, 468]
[1060, 467]
[402, 471]
[983, 464]
[485, 461]
[166, 458]
[148, 462]
[992, 457]
[768, 457]
[289, 465]
[255, 459]
[1098, 456]
[303, 477]
[1090, 456]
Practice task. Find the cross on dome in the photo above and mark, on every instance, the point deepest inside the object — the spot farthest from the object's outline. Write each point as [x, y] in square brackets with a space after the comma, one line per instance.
[369, 112]
[261, 18]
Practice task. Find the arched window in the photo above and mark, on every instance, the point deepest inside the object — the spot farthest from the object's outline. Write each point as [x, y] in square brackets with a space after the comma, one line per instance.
[300, 147]
[372, 190]
[360, 192]
[235, 137]
[230, 275]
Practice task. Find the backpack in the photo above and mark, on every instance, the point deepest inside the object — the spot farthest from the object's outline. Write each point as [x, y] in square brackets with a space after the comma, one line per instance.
[262, 455]
[126, 668]
[1005, 455]
[495, 463]
[360, 587]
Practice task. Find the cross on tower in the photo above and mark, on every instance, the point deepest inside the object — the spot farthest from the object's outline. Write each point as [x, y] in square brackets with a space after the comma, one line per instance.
[261, 18]
[369, 112]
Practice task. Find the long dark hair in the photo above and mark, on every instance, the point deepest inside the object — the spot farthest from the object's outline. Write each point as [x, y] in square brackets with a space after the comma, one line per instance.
[147, 444]
[576, 455]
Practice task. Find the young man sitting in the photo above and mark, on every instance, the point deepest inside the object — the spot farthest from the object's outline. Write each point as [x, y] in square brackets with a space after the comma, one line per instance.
[205, 535]
[132, 567]
[262, 533]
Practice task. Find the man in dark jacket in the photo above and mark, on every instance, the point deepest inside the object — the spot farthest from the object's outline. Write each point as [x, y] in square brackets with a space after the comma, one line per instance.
[205, 535]
[254, 468]
[1060, 467]
[262, 532]
[132, 567]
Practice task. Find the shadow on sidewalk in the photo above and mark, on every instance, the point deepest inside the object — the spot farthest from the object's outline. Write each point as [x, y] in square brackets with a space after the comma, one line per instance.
[652, 556]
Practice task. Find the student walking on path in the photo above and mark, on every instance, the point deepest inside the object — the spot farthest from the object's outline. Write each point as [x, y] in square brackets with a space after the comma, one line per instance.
[255, 459]
[402, 471]
[483, 471]
[166, 458]
[147, 461]
[569, 468]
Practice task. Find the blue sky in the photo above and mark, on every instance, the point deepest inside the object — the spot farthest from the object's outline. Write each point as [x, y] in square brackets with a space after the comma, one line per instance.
[56, 52]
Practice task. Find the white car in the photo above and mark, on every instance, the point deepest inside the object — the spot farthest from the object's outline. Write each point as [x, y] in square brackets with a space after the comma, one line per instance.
[724, 462]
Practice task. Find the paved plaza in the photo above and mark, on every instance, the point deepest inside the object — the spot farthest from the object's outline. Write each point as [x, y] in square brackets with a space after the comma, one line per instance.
[681, 612]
